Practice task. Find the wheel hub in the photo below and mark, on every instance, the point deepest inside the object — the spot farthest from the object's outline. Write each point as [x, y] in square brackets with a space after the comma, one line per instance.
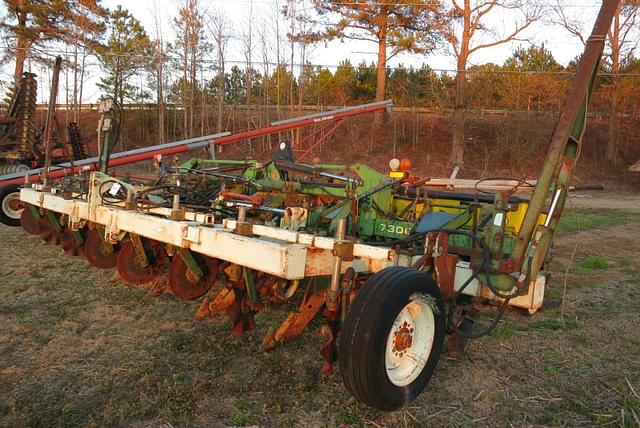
[15, 204]
[12, 206]
[403, 338]
[410, 341]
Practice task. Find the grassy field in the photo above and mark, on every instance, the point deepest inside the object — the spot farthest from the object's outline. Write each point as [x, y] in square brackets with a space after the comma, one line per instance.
[79, 348]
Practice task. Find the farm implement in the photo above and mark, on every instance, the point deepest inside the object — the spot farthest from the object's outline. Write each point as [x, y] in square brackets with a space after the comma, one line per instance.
[12, 175]
[392, 263]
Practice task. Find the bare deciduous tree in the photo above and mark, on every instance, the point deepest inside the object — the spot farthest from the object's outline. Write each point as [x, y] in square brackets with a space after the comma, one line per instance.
[158, 69]
[622, 42]
[469, 25]
[191, 44]
[247, 43]
[221, 33]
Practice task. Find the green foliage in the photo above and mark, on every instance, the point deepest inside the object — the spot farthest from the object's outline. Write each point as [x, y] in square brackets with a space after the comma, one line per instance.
[280, 83]
[236, 85]
[594, 262]
[351, 416]
[45, 21]
[555, 324]
[406, 25]
[365, 88]
[343, 82]
[489, 86]
[580, 270]
[243, 413]
[532, 59]
[534, 91]
[587, 219]
[126, 52]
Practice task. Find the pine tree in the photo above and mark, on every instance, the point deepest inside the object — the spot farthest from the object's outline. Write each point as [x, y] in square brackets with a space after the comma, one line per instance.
[395, 26]
[127, 51]
[39, 23]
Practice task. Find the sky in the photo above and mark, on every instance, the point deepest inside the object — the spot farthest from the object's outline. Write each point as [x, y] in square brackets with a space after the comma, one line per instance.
[156, 16]
[562, 46]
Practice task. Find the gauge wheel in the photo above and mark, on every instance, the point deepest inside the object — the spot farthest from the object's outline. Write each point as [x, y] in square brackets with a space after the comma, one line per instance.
[392, 338]
[10, 205]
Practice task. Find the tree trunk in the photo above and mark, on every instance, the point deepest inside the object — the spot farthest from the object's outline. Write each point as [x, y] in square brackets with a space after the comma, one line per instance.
[381, 79]
[192, 89]
[203, 105]
[221, 78]
[76, 108]
[612, 134]
[612, 140]
[456, 156]
[160, 97]
[185, 89]
[82, 70]
[23, 43]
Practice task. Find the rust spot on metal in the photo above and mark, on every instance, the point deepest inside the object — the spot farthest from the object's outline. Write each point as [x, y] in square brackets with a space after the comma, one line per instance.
[218, 305]
[403, 337]
[343, 249]
[296, 322]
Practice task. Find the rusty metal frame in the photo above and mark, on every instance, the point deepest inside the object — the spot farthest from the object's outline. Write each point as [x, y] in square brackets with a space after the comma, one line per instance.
[330, 129]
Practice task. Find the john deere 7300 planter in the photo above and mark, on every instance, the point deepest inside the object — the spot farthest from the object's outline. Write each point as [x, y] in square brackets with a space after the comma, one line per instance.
[393, 263]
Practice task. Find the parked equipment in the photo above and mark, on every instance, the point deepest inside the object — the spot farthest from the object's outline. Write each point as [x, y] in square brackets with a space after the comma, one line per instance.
[393, 263]
[11, 178]
[24, 147]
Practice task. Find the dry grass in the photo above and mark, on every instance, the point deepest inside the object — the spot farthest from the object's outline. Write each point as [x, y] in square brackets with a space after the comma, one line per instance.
[77, 348]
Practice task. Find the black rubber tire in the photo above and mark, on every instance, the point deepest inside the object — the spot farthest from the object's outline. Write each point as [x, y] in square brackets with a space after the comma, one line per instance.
[4, 217]
[364, 335]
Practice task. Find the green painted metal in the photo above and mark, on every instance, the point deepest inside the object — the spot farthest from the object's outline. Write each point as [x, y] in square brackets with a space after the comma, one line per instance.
[565, 142]
[77, 236]
[190, 261]
[393, 229]
[249, 282]
[57, 227]
[34, 211]
[101, 232]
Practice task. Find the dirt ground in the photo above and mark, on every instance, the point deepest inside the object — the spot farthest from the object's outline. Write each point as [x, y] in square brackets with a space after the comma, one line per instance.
[79, 348]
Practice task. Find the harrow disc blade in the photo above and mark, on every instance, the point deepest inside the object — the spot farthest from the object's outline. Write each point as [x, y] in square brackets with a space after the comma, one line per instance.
[70, 244]
[29, 223]
[97, 253]
[47, 231]
[129, 267]
[182, 283]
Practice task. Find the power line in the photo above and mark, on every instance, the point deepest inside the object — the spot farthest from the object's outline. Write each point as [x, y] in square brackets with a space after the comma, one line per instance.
[385, 3]
[167, 58]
